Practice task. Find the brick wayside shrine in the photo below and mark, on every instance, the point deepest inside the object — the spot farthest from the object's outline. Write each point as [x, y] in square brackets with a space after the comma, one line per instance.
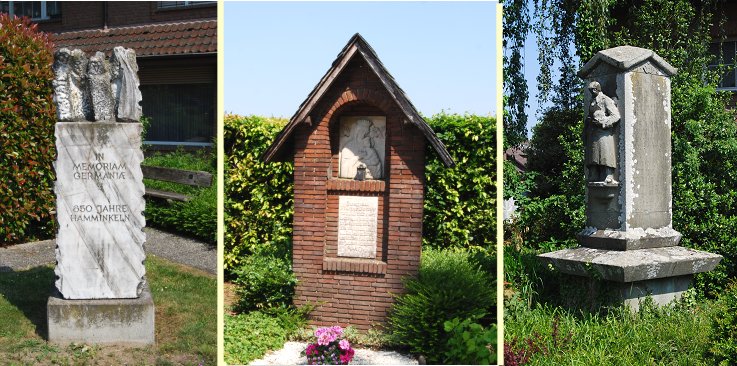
[358, 146]
[629, 241]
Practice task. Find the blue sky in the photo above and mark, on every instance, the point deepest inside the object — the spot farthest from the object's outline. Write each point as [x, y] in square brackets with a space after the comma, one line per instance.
[441, 53]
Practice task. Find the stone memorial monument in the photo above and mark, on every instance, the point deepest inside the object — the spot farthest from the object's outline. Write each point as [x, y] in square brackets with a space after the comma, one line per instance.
[629, 241]
[358, 146]
[100, 293]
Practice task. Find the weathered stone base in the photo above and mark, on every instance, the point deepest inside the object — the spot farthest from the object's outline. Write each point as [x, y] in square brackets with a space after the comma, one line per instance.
[102, 321]
[630, 276]
[621, 240]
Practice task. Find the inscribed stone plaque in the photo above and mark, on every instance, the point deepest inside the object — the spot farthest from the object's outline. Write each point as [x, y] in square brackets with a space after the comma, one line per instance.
[357, 217]
[362, 142]
[99, 204]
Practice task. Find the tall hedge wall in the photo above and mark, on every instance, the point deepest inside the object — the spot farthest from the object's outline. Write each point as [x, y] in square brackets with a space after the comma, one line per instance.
[27, 117]
[459, 202]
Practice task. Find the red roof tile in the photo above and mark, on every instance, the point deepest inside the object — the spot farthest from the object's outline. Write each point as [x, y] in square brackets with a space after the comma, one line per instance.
[160, 39]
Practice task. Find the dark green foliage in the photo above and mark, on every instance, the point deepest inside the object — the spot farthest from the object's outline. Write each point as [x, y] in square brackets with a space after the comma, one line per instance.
[460, 203]
[448, 286]
[263, 282]
[196, 217]
[469, 343]
[723, 348]
[259, 200]
[515, 29]
[27, 117]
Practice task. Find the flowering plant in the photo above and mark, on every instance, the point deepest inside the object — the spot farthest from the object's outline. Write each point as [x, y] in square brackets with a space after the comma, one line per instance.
[329, 349]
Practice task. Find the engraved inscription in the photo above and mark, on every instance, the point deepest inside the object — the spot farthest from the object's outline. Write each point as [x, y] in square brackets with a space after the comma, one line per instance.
[357, 218]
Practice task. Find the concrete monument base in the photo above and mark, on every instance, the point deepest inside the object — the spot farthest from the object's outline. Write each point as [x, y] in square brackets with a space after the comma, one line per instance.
[101, 321]
[630, 276]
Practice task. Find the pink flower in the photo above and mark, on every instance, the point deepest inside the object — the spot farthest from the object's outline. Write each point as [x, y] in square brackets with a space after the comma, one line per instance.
[311, 348]
[347, 356]
[344, 345]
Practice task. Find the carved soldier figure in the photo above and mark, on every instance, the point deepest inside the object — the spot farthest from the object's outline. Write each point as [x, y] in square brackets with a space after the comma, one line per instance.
[100, 90]
[599, 130]
[125, 85]
[61, 85]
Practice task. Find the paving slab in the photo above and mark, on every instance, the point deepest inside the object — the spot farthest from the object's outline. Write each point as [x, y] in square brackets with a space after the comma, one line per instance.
[178, 249]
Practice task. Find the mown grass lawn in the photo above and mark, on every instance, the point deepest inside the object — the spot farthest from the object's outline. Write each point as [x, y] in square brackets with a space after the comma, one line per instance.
[186, 321]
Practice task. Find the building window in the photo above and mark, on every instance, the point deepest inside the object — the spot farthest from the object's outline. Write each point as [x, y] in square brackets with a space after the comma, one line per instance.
[724, 61]
[181, 114]
[36, 10]
[181, 4]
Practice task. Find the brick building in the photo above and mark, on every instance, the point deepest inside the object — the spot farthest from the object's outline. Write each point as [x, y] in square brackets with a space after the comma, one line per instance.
[355, 288]
[176, 47]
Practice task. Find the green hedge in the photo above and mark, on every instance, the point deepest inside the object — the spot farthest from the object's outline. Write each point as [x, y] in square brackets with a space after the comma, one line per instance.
[27, 117]
[459, 202]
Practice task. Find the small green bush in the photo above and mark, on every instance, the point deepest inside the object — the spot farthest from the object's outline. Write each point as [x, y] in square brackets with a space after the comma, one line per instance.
[27, 117]
[196, 217]
[249, 336]
[448, 286]
[469, 343]
[723, 349]
[263, 282]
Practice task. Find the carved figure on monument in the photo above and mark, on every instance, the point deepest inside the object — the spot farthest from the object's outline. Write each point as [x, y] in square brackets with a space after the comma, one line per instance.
[101, 94]
[360, 148]
[599, 131]
[79, 98]
[125, 85]
[61, 85]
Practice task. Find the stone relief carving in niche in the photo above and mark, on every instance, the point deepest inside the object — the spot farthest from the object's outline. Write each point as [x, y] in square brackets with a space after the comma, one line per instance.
[362, 144]
[599, 132]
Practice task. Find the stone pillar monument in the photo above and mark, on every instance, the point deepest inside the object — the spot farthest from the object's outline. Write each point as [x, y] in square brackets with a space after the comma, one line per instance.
[629, 240]
[100, 293]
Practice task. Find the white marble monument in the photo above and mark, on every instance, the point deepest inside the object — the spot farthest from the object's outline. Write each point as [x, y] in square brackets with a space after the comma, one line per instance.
[100, 294]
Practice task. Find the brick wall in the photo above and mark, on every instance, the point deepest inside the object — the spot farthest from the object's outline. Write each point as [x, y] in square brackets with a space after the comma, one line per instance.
[355, 291]
[78, 15]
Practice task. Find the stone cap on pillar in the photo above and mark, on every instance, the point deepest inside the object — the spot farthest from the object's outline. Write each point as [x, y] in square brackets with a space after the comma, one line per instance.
[625, 58]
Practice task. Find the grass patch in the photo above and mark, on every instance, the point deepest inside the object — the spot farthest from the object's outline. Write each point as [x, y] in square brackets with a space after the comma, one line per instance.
[197, 217]
[549, 335]
[249, 336]
[186, 320]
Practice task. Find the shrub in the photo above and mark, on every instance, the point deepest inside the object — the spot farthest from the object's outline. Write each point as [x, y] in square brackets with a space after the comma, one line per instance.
[470, 343]
[263, 282]
[258, 195]
[723, 349]
[447, 286]
[249, 336]
[27, 117]
[196, 217]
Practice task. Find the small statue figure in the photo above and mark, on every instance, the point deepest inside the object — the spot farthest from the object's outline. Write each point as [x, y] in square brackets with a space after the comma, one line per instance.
[79, 98]
[99, 87]
[601, 157]
[125, 85]
[61, 85]
[360, 149]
